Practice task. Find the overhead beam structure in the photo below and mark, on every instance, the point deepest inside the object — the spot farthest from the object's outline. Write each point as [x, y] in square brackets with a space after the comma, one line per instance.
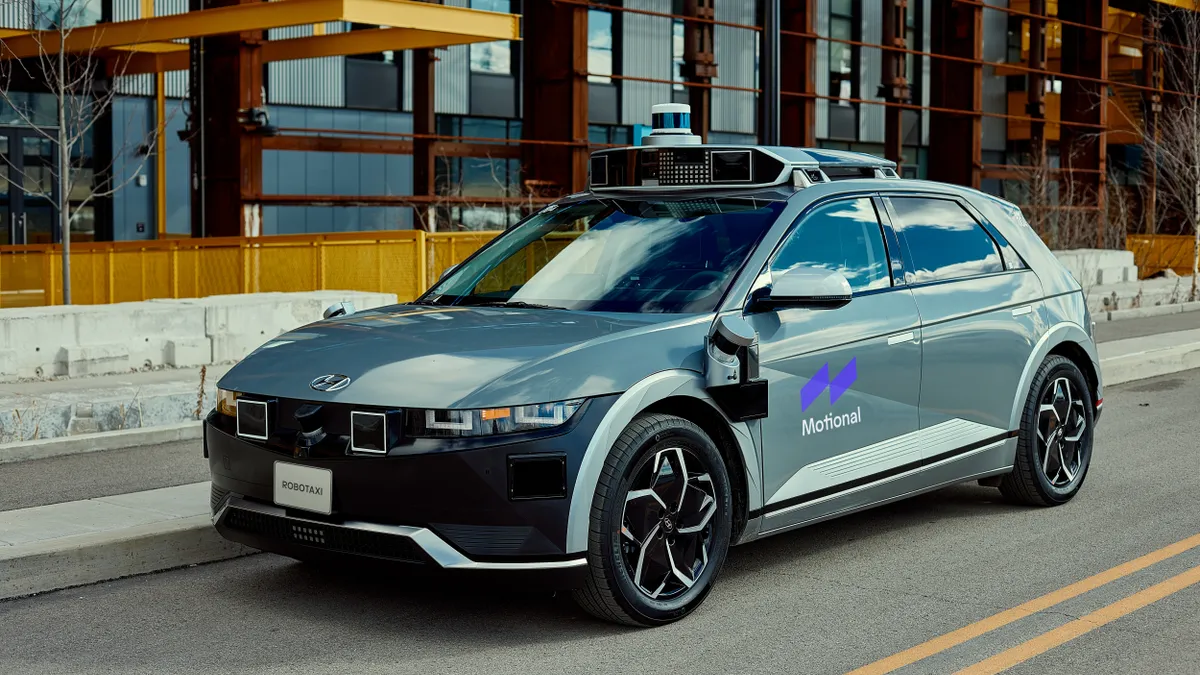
[425, 25]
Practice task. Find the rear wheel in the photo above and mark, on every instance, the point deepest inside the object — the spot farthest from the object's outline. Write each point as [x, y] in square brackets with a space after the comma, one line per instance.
[660, 524]
[1054, 449]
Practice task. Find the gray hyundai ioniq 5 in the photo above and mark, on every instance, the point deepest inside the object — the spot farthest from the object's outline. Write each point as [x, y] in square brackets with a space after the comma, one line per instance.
[710, 345]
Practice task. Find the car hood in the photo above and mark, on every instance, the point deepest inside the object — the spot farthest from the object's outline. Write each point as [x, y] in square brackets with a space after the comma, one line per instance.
[470, 357]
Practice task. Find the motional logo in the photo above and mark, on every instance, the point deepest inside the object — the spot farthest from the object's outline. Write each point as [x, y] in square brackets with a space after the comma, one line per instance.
[821, 381]
[330, 383]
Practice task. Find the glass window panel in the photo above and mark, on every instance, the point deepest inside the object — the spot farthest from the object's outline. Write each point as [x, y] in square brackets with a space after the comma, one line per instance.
[494, 58]
[843, 236]
[944, 241]
[600, 46]
[842, 7]
[49, 14]
[677, 52]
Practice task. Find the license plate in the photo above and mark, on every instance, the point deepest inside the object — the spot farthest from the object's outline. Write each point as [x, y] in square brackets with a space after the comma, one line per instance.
[304, 487]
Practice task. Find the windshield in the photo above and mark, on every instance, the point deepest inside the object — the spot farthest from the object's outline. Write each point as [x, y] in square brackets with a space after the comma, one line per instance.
[615, 255]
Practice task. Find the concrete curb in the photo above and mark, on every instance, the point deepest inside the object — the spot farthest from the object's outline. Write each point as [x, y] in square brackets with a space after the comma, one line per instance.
[1152, 363]
[103, 440]
[103, 556]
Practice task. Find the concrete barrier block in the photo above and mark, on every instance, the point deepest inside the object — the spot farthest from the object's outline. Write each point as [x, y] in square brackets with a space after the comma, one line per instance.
[1115, 275]
[35, 336]
[97, 359]
[8, 362]
[188, 352]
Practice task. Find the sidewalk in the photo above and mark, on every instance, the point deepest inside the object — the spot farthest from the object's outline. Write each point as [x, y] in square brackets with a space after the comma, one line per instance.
[82, 542]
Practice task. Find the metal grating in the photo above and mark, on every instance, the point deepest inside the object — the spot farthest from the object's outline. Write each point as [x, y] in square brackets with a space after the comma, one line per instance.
[326, 537]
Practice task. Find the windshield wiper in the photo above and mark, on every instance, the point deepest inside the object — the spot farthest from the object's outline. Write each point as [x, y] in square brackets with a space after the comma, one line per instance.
[518, 304]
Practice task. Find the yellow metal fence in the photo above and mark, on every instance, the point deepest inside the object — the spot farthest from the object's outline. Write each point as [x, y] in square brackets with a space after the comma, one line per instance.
[1153, 253]
[402, 262]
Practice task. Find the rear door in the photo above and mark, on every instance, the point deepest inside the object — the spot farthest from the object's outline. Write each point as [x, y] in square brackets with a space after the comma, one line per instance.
[980, 318]
[843, 384]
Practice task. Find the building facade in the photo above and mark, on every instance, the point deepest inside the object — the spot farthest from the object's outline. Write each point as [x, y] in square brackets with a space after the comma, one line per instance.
[344, 138]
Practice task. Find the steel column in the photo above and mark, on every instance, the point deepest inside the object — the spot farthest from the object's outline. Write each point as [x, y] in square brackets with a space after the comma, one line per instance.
[1035, 92]
[699, 62]
[893, 86]
[555, 95]
[1151, 106]
[1085, 52]
[797, 73]
[228, 160]
[769, 75]
[424, 123]
[955, 143]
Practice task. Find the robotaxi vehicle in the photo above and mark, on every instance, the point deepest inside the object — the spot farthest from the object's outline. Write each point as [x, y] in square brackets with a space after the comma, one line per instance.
[710, 345]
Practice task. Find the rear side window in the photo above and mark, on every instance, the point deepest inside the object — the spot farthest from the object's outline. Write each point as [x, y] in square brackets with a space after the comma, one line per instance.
[944, 241]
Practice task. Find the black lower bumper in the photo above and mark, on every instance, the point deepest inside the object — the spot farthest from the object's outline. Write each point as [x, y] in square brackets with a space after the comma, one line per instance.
[271, 528]
[440, 505]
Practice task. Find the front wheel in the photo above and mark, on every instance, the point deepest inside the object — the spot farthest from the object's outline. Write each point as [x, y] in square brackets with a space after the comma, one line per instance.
[1054, 449]
[660, 524]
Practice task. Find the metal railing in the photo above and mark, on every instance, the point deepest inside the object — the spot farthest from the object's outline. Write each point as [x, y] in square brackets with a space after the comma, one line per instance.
[403, 262]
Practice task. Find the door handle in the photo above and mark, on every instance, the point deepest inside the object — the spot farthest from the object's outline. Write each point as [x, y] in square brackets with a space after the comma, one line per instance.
[903, 337]
[1020, 311]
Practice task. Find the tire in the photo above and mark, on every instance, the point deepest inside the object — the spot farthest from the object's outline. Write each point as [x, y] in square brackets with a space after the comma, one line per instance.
[699, 524]
[1049, 474]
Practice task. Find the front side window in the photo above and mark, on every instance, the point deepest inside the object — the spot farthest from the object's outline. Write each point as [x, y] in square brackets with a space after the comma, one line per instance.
[944, 241]
[843, 236]
[615, 255]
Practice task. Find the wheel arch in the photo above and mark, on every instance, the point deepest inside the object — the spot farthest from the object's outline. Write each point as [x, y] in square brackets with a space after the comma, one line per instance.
[667, 388]
[1078, 355]
[1070, 341]
[704, 415]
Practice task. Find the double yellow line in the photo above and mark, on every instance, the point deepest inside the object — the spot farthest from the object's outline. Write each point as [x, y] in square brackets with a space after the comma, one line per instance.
[1051, 639]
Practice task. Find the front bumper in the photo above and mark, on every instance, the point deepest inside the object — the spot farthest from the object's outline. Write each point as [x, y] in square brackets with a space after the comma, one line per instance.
[272, 528]
[441, 505]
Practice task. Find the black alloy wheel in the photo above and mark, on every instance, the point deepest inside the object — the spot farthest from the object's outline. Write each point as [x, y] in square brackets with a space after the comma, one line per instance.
[661, 524]
[1054, 447]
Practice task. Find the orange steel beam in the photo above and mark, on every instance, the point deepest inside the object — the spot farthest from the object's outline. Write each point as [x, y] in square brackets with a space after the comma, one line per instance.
[330, 44]
[454, 24]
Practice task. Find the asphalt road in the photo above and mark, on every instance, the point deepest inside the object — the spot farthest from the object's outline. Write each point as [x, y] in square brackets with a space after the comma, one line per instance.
[827, 599]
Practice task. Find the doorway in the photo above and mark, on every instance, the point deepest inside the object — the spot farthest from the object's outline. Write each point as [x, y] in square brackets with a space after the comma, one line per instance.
[28, 190]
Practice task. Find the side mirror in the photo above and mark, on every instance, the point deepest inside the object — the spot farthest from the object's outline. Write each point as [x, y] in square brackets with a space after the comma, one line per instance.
[446, 272]
[804, 287]
[338, 309]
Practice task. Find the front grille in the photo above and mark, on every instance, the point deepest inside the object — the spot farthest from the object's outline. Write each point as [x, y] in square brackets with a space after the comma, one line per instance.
[323, 536]
[216, 498]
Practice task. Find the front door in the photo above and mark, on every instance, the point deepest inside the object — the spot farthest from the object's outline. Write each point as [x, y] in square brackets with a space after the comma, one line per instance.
[844, 383]
[27, 187]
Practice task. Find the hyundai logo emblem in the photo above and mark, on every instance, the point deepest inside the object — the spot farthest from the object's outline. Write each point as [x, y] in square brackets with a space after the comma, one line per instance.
[330, 383]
